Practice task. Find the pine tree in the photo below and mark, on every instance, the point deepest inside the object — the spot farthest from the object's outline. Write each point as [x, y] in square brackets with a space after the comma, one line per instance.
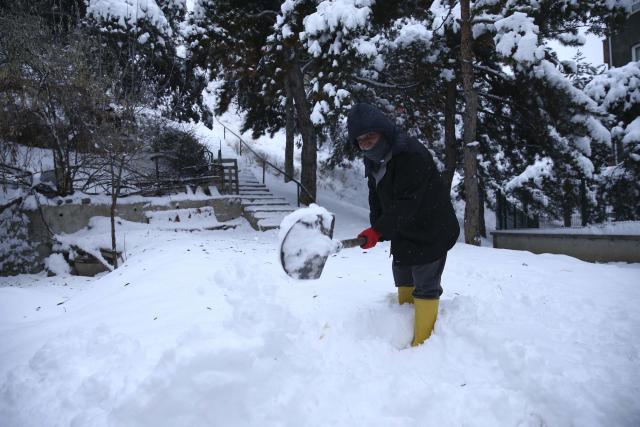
[618, 92]
[143, 39]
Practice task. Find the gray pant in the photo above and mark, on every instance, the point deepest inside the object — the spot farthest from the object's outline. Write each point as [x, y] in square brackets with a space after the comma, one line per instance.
[425, 277]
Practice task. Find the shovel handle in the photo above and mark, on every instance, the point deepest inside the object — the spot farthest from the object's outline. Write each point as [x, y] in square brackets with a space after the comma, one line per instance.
[352, 243]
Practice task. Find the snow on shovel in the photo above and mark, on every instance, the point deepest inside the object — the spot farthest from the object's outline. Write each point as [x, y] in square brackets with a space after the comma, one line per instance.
[306, 242]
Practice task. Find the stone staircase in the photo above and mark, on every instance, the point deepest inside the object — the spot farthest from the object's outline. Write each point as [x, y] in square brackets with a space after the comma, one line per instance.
[263, 210]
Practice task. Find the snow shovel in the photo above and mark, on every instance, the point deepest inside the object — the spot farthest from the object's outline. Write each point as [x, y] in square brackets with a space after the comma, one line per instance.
[308, 243]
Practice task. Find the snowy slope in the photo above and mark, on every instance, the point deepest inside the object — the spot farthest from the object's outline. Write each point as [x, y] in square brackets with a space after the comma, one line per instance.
[203, 328]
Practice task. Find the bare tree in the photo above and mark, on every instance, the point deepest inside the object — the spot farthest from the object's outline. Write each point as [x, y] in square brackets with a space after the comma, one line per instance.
[47, 88]
[119, 144]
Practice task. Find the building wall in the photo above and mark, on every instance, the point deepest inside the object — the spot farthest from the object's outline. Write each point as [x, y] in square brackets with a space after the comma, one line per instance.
[624, 40]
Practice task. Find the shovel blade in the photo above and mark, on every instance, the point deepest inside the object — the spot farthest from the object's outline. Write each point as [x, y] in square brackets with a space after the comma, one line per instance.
[306, 247]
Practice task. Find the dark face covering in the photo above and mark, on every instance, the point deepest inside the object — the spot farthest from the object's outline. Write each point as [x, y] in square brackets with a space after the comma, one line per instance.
[377, 153]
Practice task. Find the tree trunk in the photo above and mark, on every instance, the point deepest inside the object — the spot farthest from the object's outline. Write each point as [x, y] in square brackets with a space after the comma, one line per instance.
[114, 201]
[114, 249]
[483, 225]
[116, 184]
[309, 147]
[289, 124]
[472, 194]
[450, 143]
[567, 205]
[584, 203]
[64, 183]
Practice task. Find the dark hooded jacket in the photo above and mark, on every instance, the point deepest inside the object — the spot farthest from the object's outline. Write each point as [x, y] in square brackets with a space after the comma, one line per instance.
[408, 201]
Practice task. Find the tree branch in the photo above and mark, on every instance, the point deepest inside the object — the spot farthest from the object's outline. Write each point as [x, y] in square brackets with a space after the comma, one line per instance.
[493, 72]
[384, 85]
[6, 206]
[268, 13]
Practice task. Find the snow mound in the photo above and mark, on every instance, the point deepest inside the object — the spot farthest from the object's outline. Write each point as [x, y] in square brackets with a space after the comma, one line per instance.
[56, 264]
[305, 241]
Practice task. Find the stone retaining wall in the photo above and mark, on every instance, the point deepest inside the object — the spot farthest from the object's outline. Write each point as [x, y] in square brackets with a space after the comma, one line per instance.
[69, 218]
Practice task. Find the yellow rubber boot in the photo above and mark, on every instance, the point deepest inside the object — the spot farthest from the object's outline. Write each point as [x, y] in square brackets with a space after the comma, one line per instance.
[405, 294]
[426, 314]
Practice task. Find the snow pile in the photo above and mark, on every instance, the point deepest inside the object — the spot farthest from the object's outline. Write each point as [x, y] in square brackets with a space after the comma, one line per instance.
[309, 213]
[56, 264]
[185, 219]
[132, 235]
[305, 241]
[97, 235]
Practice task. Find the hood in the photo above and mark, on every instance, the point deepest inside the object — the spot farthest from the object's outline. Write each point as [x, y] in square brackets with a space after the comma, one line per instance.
[365, 118]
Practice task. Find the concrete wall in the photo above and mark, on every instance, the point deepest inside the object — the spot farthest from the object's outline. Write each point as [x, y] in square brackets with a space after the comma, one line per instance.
[600, 248]
[69, 218]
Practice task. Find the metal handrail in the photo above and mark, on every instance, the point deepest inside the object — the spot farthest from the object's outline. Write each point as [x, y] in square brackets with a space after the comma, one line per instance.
[266, 162]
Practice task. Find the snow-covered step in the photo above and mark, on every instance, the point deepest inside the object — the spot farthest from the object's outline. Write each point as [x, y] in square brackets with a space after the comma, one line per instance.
[263, 201]
[253, 190]
[252, 209]
[267, 220]
[269, 208]
[258, 197]
[256, 194]
[252, 187]
[261, 209]
[268, 224]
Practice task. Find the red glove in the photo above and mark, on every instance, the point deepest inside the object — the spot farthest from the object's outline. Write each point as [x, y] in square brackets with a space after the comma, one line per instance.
[372, 236]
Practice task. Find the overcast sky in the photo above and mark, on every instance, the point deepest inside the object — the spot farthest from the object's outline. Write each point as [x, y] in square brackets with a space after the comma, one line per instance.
[592, 50]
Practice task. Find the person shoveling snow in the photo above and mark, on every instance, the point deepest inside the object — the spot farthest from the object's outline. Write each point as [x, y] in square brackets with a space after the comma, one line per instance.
[410, 206]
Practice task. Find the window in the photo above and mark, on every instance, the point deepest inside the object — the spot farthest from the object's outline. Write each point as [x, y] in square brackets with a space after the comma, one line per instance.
[635, 53]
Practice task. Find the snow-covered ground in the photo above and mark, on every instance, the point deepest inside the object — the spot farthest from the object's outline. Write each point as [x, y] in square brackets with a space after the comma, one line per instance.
[203, 328]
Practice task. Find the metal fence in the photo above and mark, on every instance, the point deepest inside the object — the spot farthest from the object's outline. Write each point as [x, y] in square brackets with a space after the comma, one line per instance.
[509, 216]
